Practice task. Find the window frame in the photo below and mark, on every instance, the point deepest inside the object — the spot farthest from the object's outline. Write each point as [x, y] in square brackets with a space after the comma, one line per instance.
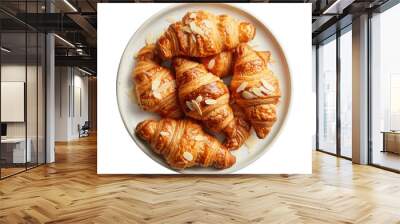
[334, 37]
[381, 9]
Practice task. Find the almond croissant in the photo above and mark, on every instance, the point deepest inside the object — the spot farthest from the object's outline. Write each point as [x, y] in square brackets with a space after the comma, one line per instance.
[183, 144]
[202, 34]
[242, 132]
[255, 88]
[155, 85]
[204, 97]
[221, 64]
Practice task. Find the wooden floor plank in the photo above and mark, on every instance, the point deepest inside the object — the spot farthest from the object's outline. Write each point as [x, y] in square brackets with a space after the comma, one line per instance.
[70, 191]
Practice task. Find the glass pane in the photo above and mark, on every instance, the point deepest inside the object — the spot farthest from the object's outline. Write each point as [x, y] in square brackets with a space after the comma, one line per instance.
[41, 98]
[13, 89]
[327, 97]
[31, 87]
[31, 100]
[385, 113]
[346, 94]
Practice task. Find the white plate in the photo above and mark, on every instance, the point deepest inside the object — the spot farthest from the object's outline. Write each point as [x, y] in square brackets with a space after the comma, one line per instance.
[264, 40]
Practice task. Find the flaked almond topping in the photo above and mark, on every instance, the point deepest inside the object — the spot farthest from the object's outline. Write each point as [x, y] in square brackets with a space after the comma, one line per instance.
[242, 86]
[163, 87]
[267, 85]
[248, 95]
[198, 138]
[197, 107]
[189, 105]
[256, 91]
[210, 101]
[186, 29]
[199, 98]
[195, 28]
[193, 15]
[188, 156]
[157, 95]
[211, 64]
[164, 133]
[149, 74]
[229, 27]
[264, 90]
[155, 84]
[207, 23]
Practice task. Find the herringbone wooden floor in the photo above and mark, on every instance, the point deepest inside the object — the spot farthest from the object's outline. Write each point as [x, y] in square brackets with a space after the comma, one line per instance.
[70, 191]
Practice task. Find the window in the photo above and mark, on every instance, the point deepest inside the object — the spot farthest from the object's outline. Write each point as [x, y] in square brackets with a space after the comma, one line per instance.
[327, 96]
[22, 69]
[346, 93]
[385, 89]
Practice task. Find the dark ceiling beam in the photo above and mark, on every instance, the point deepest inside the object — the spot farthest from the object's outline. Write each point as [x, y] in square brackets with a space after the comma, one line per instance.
[84, 24]
[81, 21]
[329, 14]
[49, 22]
[337, 7]
[82, 61]
[331, 30]
[87, 51]
[16, 18]
[320, 22]
[91, 5]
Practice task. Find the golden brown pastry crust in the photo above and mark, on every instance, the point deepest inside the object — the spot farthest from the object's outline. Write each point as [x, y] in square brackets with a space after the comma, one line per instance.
[241, 132]
[202, 34]
[219, 64]
[204, 97]
[155, 85]
[183, 144]
[255, 88]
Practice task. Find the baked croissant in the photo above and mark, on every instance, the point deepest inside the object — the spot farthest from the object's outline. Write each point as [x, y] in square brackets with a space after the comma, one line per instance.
[202, 34]
[242, 131]
[155, 85]
[255, 88]
[219, 64]
[204, 97]
[183, 144]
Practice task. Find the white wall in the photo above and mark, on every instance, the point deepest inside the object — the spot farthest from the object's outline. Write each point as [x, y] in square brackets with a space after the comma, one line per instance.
[79, 117]
[70, 84]
[62, 82]
[314, 90]
[17, 72]
[9, 73]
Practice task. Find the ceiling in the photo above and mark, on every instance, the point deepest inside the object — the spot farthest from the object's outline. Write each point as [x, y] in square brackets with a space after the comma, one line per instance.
[76, 22]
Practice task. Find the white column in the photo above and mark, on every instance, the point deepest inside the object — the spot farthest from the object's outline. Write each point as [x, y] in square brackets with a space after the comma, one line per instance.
[360, 90]
[50, 100]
